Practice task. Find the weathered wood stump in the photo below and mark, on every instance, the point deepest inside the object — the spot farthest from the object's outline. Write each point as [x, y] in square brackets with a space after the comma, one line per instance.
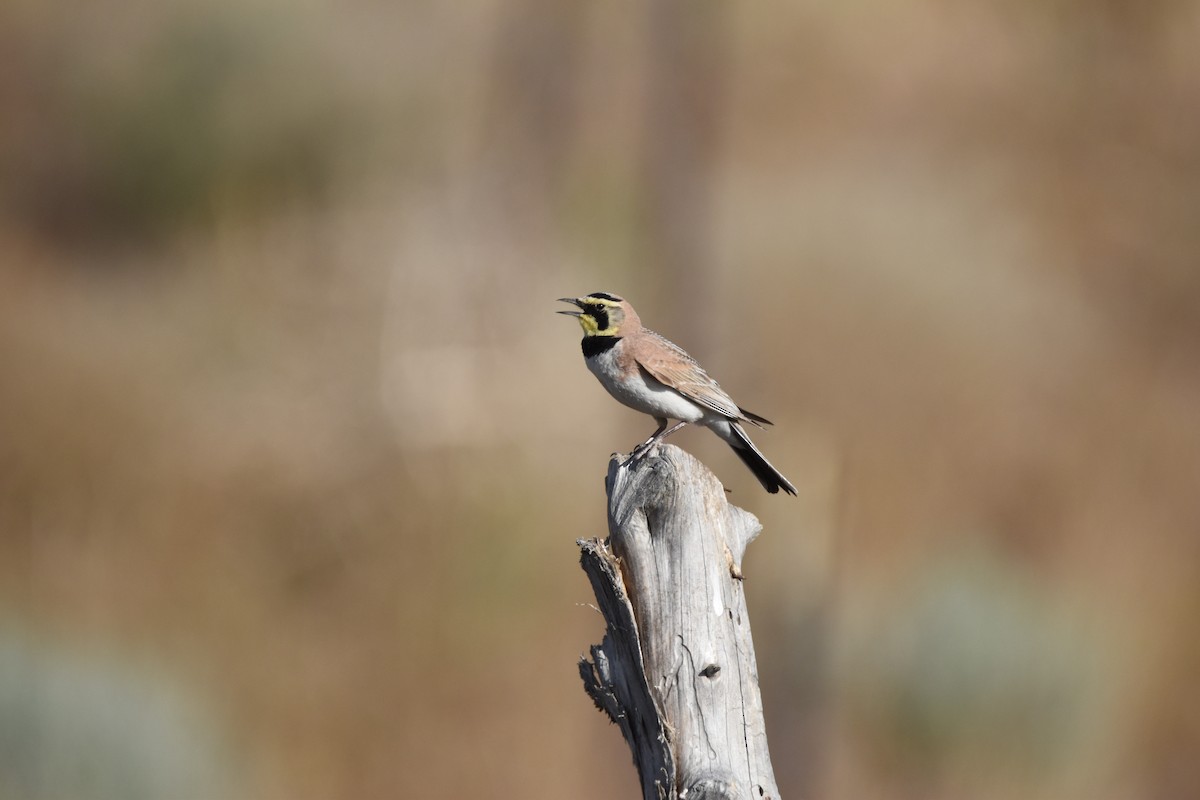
[676, 670]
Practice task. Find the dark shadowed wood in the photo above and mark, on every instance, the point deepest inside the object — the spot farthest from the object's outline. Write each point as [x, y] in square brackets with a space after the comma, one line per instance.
[676, 670]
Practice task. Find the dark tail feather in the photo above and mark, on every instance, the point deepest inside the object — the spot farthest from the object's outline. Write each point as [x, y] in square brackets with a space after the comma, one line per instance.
[755, 418]
[771, 479]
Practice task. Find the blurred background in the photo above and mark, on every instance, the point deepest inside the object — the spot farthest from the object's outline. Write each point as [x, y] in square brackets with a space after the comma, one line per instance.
[294, 452]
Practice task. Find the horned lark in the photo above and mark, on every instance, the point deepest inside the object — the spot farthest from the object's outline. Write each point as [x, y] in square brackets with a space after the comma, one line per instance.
[648, 373]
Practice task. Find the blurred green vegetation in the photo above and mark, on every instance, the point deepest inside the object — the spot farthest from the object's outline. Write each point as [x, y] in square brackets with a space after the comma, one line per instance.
[294, 453]
[59, 711]
[203, 116]
[972, 667]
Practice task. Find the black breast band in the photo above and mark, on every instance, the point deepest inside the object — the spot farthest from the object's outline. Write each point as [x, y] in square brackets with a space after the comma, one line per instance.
[595, 345]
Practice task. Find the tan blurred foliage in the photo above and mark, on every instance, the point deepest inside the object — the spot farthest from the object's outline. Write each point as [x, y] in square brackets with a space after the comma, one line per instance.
[293, 452]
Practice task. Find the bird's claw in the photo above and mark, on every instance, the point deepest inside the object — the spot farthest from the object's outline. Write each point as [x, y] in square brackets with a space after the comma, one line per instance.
[638, 453]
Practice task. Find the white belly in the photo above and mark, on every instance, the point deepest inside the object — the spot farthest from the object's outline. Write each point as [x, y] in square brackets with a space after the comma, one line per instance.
[642, 392]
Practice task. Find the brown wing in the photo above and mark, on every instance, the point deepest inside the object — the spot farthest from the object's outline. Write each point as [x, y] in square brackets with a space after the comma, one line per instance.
[669, 364]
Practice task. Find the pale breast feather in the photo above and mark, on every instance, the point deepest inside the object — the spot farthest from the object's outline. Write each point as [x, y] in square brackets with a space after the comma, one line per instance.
[620, 374]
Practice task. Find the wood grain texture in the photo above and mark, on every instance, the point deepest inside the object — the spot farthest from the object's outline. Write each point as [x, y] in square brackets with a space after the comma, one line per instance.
[676, 670]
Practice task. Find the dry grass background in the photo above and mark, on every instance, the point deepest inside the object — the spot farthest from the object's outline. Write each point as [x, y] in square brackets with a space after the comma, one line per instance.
[293, 452]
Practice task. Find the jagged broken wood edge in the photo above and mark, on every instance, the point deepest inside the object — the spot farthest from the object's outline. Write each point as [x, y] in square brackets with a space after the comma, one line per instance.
[615, 677]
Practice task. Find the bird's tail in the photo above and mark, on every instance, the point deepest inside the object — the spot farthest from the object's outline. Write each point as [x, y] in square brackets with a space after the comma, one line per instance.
[771, 478]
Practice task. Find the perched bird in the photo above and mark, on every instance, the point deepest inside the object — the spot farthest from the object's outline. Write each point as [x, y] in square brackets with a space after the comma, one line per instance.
[648, 373]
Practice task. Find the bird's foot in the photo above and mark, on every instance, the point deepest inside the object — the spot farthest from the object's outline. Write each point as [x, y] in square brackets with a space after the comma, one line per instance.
[640, 452]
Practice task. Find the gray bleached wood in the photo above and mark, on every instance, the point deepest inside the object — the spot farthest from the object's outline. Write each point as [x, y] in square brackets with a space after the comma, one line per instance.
[676, 670]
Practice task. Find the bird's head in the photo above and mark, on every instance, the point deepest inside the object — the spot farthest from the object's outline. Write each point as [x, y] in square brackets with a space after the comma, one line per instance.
[602, 314]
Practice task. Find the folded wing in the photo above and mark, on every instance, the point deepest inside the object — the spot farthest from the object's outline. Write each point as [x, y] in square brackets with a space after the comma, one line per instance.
[670, 365]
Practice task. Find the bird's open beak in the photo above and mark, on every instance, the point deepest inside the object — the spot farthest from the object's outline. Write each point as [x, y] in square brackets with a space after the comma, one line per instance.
[575, 302]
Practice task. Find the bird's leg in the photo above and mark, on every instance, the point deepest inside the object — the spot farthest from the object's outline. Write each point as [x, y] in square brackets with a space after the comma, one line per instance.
[638, 451]
[654, 439]
[665, 434]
